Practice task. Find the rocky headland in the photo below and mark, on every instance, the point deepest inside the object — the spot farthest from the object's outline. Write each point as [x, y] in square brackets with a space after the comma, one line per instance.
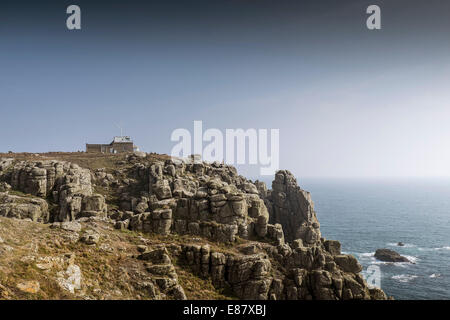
[141, 226]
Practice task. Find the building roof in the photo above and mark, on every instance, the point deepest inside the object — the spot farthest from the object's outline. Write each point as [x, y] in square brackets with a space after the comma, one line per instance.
[120, 139]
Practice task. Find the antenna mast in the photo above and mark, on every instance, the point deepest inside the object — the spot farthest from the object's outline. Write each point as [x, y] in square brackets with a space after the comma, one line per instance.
[121, 131]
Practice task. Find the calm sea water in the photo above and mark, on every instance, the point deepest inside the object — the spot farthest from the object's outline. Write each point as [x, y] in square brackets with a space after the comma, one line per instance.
[365, 215]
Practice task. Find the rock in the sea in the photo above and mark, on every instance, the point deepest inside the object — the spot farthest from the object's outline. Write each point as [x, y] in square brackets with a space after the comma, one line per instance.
[400, 244]
[388, 255]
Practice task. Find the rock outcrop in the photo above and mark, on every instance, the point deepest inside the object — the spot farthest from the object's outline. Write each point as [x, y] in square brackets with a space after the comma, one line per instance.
[5, 163]
[293, 208]
[275, 247]
[63, 183]
[388, 255]
[208, 200]
[159, 264]
[22, 207]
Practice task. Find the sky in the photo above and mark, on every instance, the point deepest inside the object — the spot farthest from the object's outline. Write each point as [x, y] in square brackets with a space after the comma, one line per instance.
[348, 101]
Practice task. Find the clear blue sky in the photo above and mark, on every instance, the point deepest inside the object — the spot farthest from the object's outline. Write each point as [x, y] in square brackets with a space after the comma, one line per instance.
[348, 102]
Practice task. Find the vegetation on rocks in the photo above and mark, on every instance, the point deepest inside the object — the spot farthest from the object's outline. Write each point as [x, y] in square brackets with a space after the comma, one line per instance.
[144, 226]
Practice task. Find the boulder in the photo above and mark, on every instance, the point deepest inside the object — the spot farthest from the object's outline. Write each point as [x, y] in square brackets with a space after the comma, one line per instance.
[249, 187]
[95, 202]
[90, 237]
[5, 163]
[157, 256]
[4, 186]
[388, 255]
[70, 279]
[348, 263]
[333, 247]
[377, 294]
[72, 226]
[162, 189]
[23, 207]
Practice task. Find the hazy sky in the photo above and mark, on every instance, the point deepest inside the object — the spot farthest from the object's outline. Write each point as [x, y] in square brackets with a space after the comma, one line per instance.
[349, 102]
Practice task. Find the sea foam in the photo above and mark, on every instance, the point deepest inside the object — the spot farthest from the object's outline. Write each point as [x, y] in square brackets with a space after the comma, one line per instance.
[404, 277]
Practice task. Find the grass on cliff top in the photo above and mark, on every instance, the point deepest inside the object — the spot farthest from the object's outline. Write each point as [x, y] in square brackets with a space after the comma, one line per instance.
[90, 161]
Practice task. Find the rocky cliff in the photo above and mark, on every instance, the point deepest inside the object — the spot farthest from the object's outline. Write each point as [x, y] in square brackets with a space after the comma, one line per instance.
[177, 220]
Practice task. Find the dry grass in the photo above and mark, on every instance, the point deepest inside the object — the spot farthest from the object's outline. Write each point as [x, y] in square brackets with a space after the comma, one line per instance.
[197, 288]
[110, 269]
[91, 161]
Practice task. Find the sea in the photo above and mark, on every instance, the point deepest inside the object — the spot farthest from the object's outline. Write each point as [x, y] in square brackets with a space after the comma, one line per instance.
[368, 214]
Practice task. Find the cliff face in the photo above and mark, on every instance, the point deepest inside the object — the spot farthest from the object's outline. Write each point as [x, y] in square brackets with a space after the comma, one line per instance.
[293, 208]
[211, 223]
